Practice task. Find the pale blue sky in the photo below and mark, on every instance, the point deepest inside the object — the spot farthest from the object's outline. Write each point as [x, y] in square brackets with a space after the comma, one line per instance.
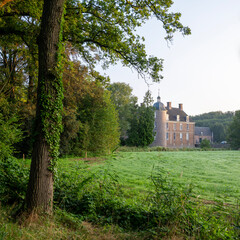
[202, 70]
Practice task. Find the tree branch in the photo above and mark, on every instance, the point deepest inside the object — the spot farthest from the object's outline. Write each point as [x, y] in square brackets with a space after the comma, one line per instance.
[11, 30]
[19, 14]
[3, 2]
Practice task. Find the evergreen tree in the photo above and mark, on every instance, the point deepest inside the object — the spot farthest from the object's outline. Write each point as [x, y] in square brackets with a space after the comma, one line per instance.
[142, 124]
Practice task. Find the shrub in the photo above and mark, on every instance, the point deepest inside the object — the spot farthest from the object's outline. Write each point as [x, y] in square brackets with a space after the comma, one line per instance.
[13, 181]
[205, 144]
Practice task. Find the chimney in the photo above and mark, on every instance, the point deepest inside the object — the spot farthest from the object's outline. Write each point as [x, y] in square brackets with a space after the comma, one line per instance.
[169, 105]
[181, 106]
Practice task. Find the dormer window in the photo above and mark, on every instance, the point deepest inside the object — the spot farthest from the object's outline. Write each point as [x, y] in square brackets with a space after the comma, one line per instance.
[167, 117]
[178, 118]
[187, 118]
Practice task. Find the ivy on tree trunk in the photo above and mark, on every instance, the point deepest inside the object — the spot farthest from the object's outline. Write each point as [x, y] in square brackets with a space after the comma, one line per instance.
[49, 109]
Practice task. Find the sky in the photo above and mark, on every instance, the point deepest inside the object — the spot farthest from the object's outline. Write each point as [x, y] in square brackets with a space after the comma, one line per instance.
[201, 71]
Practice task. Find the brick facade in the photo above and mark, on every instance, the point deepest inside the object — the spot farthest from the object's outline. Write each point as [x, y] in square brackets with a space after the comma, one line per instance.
[173, 128]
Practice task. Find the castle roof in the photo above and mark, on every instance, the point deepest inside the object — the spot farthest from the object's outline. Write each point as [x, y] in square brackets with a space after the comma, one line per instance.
[173, 112]
[203, 131]
[159, 106]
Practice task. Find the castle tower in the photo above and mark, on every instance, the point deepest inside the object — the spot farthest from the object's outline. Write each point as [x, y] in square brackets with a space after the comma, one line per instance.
[160, 124]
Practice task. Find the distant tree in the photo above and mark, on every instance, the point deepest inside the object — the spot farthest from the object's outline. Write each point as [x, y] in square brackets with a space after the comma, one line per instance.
[219, 131]
[99, 129]
[142, 125]
[133, 132]
[234, 131]
[124, 101]
[218, 122]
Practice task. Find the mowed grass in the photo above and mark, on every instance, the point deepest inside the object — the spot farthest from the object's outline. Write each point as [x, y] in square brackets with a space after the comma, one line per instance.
[214, 175]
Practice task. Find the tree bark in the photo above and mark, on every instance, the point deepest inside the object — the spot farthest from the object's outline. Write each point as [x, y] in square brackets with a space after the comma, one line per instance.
[40, 188]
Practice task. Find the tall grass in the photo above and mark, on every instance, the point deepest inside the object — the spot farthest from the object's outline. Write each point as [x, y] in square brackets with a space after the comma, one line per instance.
[150, 194]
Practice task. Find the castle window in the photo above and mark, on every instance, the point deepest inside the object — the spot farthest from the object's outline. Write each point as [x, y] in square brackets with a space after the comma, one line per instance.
[187, 126]
[187, 136]
[181, 136]
[155, 114]
[167, 117]
[166, 136]
[178, 117]
[174, 136]
[174, 126]
[180, 126]
[155, 125]
[166, 125]
[187, 118]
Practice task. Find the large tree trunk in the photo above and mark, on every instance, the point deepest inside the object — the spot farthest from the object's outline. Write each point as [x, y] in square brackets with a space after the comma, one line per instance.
[40, 188]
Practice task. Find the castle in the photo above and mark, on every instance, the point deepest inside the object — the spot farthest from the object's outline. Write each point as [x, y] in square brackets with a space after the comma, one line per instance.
[173, 128]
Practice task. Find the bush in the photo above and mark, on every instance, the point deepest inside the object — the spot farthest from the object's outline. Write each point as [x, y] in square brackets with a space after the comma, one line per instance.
[13, 181]
[205, 144]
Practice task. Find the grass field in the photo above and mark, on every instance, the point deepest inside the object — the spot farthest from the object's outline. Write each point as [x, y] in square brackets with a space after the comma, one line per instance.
[114, 198]
[214, 174]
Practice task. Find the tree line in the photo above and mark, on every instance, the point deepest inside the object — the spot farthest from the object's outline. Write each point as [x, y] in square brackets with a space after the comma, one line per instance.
[218, 122]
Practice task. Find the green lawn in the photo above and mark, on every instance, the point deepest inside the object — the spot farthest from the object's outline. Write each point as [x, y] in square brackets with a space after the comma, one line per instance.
[213, 174]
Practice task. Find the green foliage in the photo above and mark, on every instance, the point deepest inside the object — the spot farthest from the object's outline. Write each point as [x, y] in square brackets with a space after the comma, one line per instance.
[99, 131]
[169, 209]
[205, 144]
[234, 131]
[124, 101]
[90, 120]
[13, 181]
[217, 121]
[106, 29]
[142, 124]
[97, 194]
[10, 134]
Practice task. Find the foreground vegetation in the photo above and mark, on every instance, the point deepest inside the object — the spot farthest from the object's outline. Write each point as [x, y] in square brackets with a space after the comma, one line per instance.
[138, 195]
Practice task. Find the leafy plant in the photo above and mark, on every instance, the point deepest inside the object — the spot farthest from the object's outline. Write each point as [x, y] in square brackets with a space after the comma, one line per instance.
[10, 134]
[205, 144]
[13, 181]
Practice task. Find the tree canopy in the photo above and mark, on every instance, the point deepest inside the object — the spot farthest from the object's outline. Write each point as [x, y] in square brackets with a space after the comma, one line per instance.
[124, 101]
[141, 128]
[217, 121]
[99, 30]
